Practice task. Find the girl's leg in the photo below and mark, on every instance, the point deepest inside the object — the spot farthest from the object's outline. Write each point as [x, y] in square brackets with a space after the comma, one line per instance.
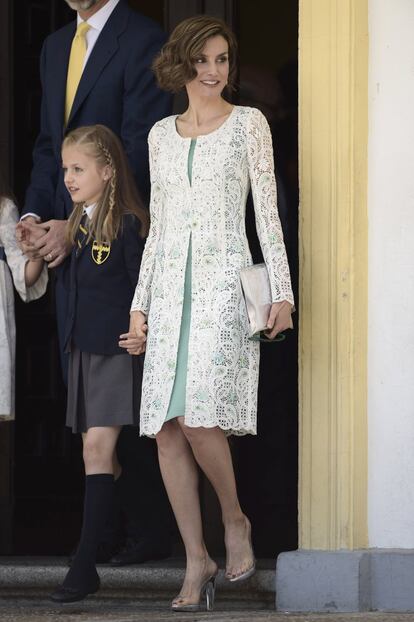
[211, 450]
[180, 475]
[98, 453]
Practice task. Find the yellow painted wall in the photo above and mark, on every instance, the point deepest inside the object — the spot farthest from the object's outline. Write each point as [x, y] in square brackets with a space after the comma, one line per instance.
[333, 101]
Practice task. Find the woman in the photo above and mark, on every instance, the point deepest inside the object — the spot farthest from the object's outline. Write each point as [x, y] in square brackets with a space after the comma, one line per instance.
[201, 370]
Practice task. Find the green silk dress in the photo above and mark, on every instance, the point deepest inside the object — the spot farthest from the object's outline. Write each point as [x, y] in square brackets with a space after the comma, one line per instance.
[176, 407]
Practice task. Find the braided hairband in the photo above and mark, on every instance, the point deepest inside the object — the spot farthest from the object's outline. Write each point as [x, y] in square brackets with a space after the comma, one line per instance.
[110, 163]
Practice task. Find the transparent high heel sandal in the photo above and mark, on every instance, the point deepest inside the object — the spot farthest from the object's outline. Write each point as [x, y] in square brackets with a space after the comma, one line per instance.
[250, 571]
[245, 575]
[208, 589]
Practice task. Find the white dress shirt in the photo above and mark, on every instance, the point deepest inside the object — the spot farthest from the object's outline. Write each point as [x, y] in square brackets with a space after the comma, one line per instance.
[96, 23]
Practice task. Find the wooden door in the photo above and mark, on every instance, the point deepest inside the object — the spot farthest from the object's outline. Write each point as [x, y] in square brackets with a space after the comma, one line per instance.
[47, 467]
[6, 428]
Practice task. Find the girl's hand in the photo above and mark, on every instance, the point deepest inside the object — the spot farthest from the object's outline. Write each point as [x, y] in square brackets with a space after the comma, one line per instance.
[30, 231]
[134, 340]
[131, 343]
[27, 231]
[280, 318]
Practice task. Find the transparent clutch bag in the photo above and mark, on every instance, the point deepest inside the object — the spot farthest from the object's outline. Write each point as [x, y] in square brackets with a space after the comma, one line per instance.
[258, 297]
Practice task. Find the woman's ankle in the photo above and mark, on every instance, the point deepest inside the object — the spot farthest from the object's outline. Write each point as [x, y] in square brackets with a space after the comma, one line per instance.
[200, 561]
[197, 558]
[236, 520]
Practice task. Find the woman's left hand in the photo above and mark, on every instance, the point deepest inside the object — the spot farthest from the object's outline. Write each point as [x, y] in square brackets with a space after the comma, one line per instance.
[280, 318]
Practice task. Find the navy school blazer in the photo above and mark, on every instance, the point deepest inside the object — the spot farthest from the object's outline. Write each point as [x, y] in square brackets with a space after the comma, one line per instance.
[101, 287]
[117, 89]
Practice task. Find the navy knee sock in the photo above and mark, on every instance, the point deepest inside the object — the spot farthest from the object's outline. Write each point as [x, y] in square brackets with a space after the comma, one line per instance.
[99, 490]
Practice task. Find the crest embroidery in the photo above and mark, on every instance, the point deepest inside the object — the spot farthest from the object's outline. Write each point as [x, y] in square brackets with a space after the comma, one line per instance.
[100, 252]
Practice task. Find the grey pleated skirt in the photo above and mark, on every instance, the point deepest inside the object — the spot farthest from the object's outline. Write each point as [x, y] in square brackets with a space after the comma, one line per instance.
[103, 390]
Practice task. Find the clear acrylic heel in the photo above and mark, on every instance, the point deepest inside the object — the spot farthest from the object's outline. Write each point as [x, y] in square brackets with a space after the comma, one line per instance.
[208, 590]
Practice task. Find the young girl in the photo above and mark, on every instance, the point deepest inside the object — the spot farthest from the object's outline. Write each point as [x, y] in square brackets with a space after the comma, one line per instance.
[30, 280]
[105, 229]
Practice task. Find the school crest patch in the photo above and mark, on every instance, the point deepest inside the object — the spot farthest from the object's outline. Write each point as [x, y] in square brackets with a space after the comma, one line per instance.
[100, 252]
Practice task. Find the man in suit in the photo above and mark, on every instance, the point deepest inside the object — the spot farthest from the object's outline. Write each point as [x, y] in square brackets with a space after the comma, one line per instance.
[97, 70]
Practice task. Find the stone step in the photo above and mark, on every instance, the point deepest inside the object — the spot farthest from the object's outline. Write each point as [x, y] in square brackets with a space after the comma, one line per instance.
[154, 581]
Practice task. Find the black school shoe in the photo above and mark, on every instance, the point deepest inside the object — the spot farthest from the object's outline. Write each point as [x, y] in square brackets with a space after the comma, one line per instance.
[72, 594]
[140, 551]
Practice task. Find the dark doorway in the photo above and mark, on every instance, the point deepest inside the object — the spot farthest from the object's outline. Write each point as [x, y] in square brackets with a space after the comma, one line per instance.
[267, 464]
[47, 487]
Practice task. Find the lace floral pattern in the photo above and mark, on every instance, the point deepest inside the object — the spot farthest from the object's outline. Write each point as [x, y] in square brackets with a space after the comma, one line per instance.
[14, 268]
[223, 365]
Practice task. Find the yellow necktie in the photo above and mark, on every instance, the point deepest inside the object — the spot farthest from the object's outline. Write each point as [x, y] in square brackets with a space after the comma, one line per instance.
[75, 68]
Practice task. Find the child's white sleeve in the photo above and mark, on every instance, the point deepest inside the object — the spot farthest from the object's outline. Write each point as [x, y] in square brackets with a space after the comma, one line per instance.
[16, 260]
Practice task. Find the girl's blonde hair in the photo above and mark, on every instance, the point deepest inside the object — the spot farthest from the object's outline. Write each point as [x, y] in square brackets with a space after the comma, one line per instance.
[120, 195]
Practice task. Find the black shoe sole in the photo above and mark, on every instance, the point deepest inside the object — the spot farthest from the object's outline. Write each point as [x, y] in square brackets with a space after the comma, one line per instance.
[73, 599]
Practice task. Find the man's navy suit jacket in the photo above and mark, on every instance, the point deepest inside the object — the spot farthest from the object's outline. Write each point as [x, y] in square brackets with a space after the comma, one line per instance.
[117, 89]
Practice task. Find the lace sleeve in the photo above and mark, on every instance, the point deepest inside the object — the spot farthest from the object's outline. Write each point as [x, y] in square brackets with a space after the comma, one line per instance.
[142, 296]
[263, 184]
[16, 260]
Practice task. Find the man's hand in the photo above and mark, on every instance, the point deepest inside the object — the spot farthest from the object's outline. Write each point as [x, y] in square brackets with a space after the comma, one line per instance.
[54, 245]
[46, 240]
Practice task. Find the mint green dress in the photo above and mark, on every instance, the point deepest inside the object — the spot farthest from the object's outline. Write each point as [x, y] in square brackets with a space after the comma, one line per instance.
[176, 407]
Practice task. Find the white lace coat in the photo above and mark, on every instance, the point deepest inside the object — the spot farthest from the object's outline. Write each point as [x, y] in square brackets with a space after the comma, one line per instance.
[223, 365]
[16, 262]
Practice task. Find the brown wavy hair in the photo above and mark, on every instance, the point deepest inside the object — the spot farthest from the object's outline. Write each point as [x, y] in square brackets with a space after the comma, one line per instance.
[174, 65]
[120, 195]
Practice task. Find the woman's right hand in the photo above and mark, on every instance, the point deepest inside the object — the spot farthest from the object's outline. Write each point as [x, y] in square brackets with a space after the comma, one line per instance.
[135, 340]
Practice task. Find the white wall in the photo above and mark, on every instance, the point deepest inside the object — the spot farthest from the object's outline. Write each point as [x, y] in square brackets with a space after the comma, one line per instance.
[391, 274]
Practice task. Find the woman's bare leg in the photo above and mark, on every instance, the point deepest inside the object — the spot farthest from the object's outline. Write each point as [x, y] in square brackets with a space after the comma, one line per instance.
[211, 450]
[180, 474]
